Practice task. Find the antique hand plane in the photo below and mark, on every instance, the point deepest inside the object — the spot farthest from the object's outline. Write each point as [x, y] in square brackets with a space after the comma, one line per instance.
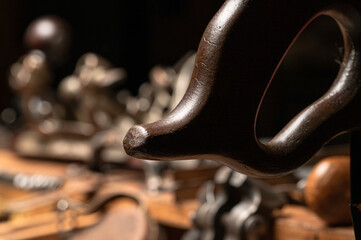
[238, 56]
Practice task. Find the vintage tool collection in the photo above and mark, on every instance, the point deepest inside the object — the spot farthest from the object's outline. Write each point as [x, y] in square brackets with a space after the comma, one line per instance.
[84, 121]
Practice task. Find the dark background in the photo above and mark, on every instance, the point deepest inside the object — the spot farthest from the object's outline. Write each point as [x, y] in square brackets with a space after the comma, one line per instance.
[135, 35]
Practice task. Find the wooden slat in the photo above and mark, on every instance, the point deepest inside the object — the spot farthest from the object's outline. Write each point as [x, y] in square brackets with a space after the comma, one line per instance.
[299, 223]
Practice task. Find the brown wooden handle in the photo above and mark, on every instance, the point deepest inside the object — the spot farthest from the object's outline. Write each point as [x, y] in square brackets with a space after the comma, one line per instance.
[238, 55]
[327, 190]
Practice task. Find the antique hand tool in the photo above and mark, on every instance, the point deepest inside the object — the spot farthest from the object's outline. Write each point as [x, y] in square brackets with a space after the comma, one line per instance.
[218, 115]
[51, 35]
[208, 216]
[252, 217]
[48, 39]
[165, 89]
[241, 208]
[238, 55]
[327, 190]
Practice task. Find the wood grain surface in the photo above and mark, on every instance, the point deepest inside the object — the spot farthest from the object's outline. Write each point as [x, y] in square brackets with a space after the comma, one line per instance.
[299, 223]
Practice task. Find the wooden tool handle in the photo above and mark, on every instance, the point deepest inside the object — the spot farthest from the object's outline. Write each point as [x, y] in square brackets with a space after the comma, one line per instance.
[237, 57]
[327, 190]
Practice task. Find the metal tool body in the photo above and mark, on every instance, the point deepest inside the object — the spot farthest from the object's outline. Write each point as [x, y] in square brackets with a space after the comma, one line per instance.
[239, 54]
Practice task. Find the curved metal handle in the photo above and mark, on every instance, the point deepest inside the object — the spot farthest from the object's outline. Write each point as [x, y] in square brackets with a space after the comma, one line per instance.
[238, 55]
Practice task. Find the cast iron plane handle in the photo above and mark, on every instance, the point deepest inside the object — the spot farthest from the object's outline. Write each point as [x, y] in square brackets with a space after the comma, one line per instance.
[238, 55]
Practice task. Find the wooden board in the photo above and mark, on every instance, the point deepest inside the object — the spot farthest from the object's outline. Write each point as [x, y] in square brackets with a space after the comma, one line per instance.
[299, 223]
[163, 207]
